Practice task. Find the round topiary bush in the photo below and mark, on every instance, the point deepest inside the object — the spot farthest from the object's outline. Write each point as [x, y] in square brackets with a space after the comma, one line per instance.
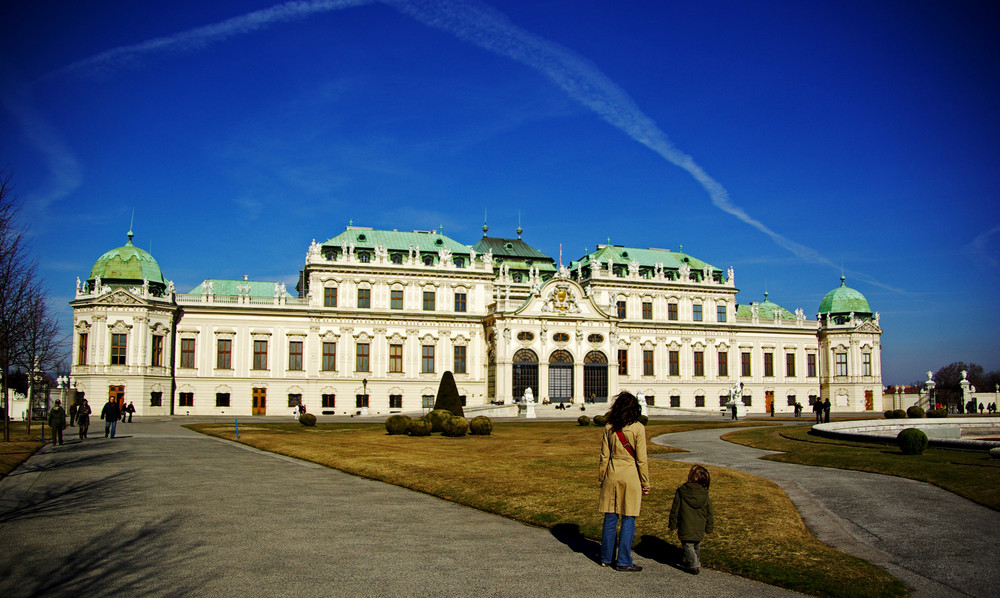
[600, 420]
[643, 420]
[419, 427]
[900, 413]
[397, 424]
[912, 441]
[937, 413]
[889, 414]
[307, 419]
[583, 420]
[480, 426]
[915, 412]
[455, 426]
[437, 418]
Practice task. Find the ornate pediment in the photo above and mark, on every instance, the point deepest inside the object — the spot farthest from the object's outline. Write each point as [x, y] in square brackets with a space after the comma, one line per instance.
[868, 328]
[561, 300]
[119, 297]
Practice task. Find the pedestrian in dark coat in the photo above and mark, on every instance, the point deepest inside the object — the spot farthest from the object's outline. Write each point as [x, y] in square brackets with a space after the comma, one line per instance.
[826, 410]
[130, 410]
[83, 418]
[692, 516]
[818, 410]
[72, 413]
[111, 413]
[57, 421]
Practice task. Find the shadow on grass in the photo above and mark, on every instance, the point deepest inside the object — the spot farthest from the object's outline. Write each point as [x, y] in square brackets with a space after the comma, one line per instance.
[569, 534]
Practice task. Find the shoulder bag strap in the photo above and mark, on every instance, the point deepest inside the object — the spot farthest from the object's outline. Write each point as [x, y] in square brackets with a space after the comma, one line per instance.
[628, 447]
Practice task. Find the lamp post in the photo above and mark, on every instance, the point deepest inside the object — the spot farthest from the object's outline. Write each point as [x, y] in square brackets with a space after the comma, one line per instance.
[364, 396]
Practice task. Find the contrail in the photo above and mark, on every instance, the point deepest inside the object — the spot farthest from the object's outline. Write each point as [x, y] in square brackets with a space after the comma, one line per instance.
[491, 30]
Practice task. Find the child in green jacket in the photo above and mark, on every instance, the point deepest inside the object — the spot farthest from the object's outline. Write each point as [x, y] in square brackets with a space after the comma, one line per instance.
[691, 515]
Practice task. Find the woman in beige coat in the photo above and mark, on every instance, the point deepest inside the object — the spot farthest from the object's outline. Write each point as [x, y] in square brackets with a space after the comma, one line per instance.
[624, 478]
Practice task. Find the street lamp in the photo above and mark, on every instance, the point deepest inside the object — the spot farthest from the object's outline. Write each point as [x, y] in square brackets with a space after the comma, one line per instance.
[364, 392]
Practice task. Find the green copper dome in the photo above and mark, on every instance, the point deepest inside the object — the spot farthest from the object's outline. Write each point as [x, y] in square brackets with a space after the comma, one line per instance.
[844, 300]
[765, 310]
[127, 265]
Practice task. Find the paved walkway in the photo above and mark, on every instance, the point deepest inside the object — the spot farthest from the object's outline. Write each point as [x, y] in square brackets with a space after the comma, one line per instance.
[162, 511]
[938, 543]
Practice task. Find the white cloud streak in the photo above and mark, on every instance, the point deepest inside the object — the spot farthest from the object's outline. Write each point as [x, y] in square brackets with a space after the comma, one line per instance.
[978, 245]
[486, 28]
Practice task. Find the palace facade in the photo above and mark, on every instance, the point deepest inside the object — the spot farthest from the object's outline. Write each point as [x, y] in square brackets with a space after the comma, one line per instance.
[379, 315]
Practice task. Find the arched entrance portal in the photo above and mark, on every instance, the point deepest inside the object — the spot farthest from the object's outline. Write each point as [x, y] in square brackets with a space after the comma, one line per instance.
[595, 377]
[560, 377]
[525, 373]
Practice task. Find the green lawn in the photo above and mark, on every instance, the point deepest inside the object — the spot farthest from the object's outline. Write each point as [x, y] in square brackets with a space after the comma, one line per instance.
[973, 475]
[545, 474]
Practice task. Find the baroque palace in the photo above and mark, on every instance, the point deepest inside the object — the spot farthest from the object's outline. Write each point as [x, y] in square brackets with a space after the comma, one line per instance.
[380, 315]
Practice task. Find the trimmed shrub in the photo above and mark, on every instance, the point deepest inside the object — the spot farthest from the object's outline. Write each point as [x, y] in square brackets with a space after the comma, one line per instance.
[912, 441]
[480, 426]
[900, 413]
[937, 413]
[447, 396]
[889, 414]
[600, 420]
[915, 412]
[583, 420]
[307, 419]
[419, 427]
[643, 420]
[397, 424]
[437, 418]
[456, 426]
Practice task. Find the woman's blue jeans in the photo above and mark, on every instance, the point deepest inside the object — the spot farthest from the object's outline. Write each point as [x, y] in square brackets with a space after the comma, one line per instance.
[624, 539]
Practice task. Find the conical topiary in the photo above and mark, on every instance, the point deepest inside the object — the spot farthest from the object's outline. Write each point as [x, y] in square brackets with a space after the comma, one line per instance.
[447, 397]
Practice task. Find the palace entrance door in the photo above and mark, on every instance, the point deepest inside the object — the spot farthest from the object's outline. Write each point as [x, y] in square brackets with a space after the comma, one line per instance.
[259, 402]
[560, 377]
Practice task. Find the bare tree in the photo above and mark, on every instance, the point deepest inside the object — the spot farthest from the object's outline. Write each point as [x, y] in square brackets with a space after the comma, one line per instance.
[17, 274]
[41, 345]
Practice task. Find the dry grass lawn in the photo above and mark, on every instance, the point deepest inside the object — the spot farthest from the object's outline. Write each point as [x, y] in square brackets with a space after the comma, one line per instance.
[21, 446]
[545, 473]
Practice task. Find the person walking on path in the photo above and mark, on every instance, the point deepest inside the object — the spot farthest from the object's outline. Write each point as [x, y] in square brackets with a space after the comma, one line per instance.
[623, 474]
[826, 410]
[72, 412]
[692, 516]
[83, 418]
[818, 410]
[130, 410]
[57, 421]
[111, 414]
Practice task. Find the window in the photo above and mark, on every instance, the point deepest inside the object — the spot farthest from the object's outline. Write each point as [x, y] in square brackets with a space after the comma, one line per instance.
[790, 365]
[696, 312]
[671, 311]
[156, 399]
[647, 310]
[768, 364]
[560, 337]
[295, 355]
[723, 400]
[186, 399]
[699, 401]
[647, 362]
[675, 401]
[720, 313]
[427, 401]
[811, 365]
[650, 400]
[745, 363]
[459, 360]
[294, 400]
[157, 353]
[595, 338]
[459, 262]
[187, 352]
[260, 355]
[329, 357]
[675, 363]
[81, 357]
[525, 336]
[429, 300]
[866, 364]
[623, 362]
[396, 299]
[723, 363]
[364, 298]
[328, 401]
[360, 401]
[699, 365]
[427, 359]
[330, 297]
[395, 401]
[222, 399]
[621, 309]
[361, 358]
[747, 400]
[224, 354]
[428, 260]
[118, 346]
[459, 301]
[841, 364]
[791, 400]
[396, 258]
[395, 359]
[364, 257]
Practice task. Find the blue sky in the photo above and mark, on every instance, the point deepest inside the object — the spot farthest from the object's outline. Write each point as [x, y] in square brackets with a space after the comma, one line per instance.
[790, 140]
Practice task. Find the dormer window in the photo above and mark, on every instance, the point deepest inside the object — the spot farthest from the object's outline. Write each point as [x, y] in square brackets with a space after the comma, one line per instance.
[397, 258]
[459, 262]
[362, 237]
[428, 260]
[364, 257]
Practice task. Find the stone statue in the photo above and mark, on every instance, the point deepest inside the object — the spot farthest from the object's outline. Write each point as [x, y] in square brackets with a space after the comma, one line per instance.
[643, 407]
[77, 284]
[170, 288]
[685, 271]
[529, 397]
[730, 276]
